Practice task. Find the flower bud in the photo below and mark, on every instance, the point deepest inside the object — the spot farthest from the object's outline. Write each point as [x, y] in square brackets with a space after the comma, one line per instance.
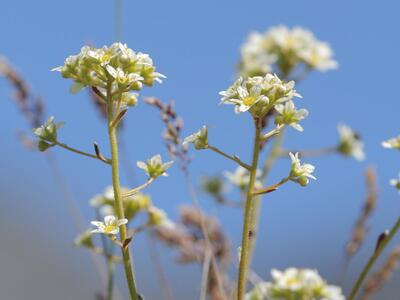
[199, 139]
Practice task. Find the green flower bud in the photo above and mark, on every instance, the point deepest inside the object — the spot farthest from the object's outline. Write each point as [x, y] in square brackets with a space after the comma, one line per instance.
[48, 131]
[199, 139]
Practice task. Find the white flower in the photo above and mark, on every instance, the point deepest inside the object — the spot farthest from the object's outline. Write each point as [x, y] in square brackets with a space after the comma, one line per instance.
[300, 284]
[393, 143]
[258, 94]
[395, 182]
[289, 115]
[241, 178]
[154, 167]
[319, 57]
[199, 139]
[350, 143]
[110, 225]
[300, 172]
[283, 49]
[254, 61]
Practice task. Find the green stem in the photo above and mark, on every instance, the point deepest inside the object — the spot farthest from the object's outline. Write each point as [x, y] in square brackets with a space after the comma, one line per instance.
[233, 158]
[373, 259]
[248, 229]
[112, 133]
[269, 163]
[62, 145]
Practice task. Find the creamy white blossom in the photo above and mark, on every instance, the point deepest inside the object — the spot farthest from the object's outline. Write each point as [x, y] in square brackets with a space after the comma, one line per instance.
[299, 172]
[110, 225]
[155, 167]
[283, 49]
[241, 178]
[126, 69]
[258, 94]
[350, 143]
[393, 143]
[289, 115]
[299, 284]
[199, 139]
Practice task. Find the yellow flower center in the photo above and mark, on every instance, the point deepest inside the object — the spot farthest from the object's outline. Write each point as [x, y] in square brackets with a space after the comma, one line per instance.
[249, 100]
[106, 57]
[109, 228]
[292, 281]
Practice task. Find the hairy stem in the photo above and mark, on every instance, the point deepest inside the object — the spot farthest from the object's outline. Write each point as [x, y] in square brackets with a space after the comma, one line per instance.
[112, 133]
[248, 228]
[373, 259]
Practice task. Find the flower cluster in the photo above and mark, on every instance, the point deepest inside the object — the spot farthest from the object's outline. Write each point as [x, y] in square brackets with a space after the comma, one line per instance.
[259, 94]
[47, 134]
[199, 139]
[241, 178]
[155, 167]
[286, 49]
[300, 173]
[393, 143]
[350, 143]
[299, 284]
[117, 65]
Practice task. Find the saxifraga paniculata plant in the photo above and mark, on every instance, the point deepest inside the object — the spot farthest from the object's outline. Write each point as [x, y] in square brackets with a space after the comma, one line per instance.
[113, 73]
[258, 96]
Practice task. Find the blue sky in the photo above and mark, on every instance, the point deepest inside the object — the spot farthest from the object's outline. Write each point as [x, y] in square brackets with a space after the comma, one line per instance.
[196, 45]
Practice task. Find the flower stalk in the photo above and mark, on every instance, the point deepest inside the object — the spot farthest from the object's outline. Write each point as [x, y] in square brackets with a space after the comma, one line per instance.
[233, 158]
[248, 224]
[119, 208]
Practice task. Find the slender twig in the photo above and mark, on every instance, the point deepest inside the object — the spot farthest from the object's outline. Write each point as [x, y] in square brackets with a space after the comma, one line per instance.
[247, 234]
[137, 189]
[233, 158]
[271, 188]
[62, 145]
[119, 207]
[380, 247]
[272, 133]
